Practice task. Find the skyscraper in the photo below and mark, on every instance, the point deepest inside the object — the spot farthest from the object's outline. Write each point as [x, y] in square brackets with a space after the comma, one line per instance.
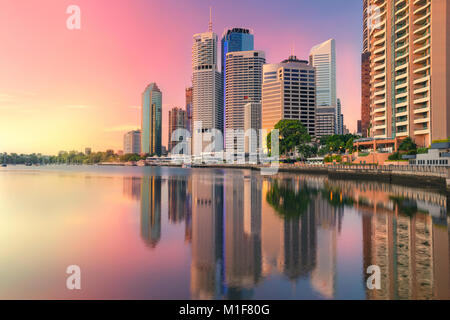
[243, 85]
[289, 92]
[325, 121]
[409, 43]
[235, 39]
[323, 58]
[365, 73]
[151, 120]
[177, 120]
[132, 142]
[207, 85]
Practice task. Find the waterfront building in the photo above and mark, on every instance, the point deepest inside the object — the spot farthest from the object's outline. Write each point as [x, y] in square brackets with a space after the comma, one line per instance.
[252, 121]
[243, 85]
[233, 40]
[410, 69]
[365, 73]
[437, 156]
[132, 142]
[325, 121]
[151, 125]
[289, 92]
[177, 120]
[207, 87]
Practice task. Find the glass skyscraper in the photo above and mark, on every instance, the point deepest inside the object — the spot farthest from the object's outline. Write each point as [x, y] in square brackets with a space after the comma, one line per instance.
[151, 120]
[235, 39]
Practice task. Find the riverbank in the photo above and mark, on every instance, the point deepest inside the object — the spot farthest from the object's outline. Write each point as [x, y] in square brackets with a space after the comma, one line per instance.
[412, 175]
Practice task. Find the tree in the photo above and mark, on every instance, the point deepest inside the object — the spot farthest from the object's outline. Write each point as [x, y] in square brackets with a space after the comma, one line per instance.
[407, 145]
[293, 135]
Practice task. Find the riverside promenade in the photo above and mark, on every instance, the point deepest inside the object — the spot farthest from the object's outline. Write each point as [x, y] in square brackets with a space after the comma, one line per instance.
[413, 175]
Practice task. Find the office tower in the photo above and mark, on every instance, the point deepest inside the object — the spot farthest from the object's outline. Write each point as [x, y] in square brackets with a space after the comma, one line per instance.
[252, 121]
[235, 39]
[323, 58]
[359, 127]
[325, 121]
[87, 151]
[207, 86]
[410, 71]
[177, 120]
[289, 92]
[151, 120]
[365, 73]
[243, 85]
[189, 124]
[132, 142]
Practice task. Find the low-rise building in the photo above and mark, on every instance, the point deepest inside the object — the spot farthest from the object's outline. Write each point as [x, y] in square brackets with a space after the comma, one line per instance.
[438, 156]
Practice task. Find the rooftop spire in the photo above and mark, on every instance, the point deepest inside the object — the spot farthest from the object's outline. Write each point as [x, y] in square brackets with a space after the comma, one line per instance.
[210, 20]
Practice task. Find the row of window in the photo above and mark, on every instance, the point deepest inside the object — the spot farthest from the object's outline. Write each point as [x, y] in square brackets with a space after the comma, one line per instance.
[429, 162]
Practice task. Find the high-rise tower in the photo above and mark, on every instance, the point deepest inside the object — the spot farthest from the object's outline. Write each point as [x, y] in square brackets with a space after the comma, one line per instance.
[207, 84]
[409, 43]
[151, 120]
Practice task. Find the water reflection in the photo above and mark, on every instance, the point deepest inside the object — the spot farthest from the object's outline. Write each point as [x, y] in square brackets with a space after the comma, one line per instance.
[244, 230]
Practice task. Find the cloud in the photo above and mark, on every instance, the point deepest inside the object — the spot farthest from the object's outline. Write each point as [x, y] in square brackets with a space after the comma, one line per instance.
[77, 106]
[122, 128]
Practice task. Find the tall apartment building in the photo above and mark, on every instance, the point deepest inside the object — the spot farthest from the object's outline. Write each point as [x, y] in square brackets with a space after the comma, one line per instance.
[207, 85]
[151, 120]
[243, 85]
[289, 92]
[365, 73]
[233, 40]
[339, 118]
[409, 69]
[132, 142]
[177, 120]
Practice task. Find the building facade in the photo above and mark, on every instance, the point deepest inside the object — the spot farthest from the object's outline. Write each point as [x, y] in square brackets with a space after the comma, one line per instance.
[252, 121]
[323, 58]
[325, 121]
[132, 142]
[177, 120]
[207, 99]
[409, 68]
[233, 40]
[365, 73]
[151, 120]
[339, 118]
[243, 85]
[289, 92]
[189, 102]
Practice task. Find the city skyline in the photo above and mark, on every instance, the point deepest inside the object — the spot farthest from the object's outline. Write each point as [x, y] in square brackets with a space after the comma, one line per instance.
[82, 107]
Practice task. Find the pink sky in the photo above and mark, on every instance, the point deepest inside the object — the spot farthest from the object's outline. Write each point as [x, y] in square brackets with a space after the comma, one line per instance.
[66, 89]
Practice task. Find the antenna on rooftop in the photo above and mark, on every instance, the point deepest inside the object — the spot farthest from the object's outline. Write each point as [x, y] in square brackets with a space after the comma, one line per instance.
[210, 19]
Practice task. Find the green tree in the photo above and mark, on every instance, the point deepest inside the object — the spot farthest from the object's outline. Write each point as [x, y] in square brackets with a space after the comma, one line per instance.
[293, 135]
[407, 145]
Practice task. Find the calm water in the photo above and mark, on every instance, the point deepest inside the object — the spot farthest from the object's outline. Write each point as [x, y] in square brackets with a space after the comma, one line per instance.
[167, 233]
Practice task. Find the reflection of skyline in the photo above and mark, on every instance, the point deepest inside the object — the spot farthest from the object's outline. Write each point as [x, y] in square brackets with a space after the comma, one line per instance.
[151, 210]
[238, 239]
